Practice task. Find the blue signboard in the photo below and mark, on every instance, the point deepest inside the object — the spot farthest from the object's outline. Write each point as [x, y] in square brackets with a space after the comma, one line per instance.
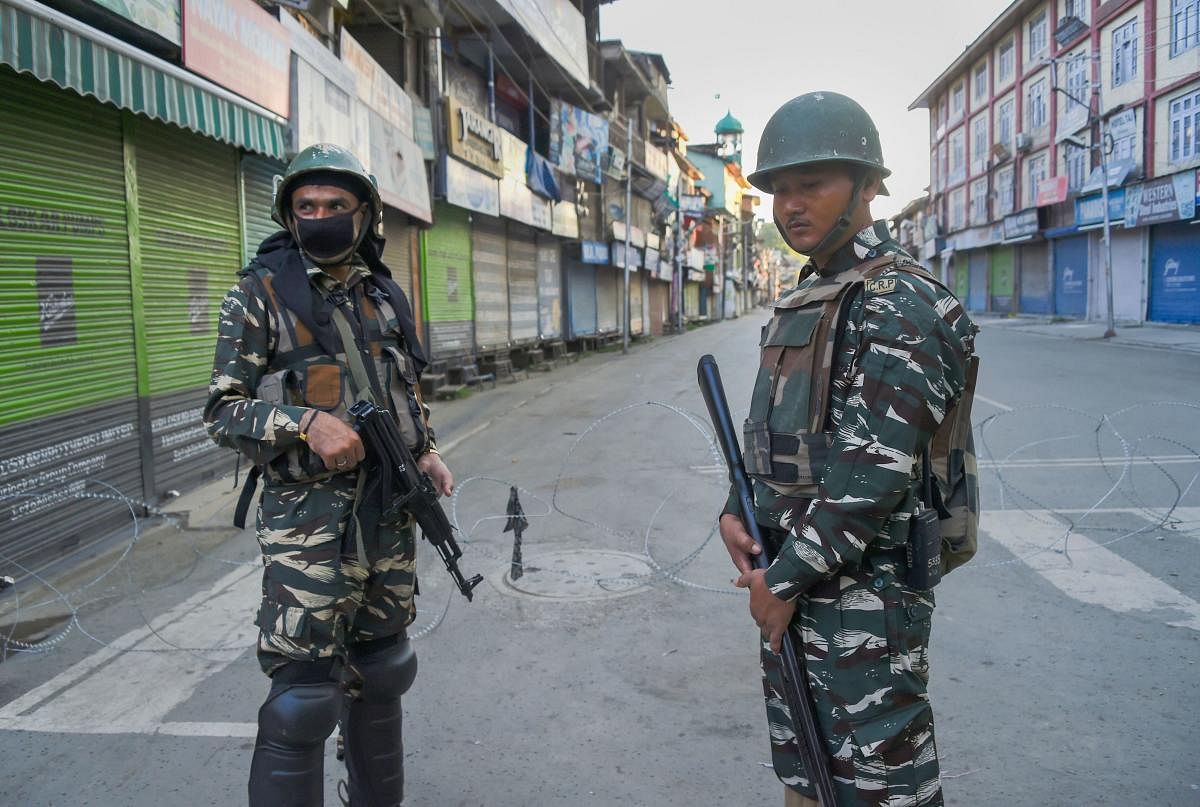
[1175, 273]
[1071, 276]
[1090, 209]
[594, 252]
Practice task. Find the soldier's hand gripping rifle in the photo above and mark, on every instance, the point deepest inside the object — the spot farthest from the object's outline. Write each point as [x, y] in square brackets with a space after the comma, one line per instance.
[795, 684]
[414, 490]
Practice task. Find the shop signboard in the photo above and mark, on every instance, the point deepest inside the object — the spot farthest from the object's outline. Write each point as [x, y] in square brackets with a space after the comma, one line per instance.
[240, 46]
[565, 220]
[322, 109]
[1021, 225]
[1051, 191]
[558, 27]
[375, 87]
[516, 200]
[158, 16]
[399, 168]
[691, 202]
[1160, 200]
[578, 141]
[474, 139]
[1089, 211]
[423, 131]
[614, 162]
[617, 249]
[474, 190]
[593, 252]
[652, 260]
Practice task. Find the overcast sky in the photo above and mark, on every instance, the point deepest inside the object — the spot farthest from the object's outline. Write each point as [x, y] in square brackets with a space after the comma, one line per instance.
[756, 54]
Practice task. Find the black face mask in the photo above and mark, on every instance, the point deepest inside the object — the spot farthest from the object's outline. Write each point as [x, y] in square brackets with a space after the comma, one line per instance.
[329, 240]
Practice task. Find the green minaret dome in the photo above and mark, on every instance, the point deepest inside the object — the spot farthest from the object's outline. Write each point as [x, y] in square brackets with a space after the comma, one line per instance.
[729, 125]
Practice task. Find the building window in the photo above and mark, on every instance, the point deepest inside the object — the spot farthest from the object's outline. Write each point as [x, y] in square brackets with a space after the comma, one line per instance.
[1004, 123]
[979, 201]
[942, 163]
[979, 142]
[957, 155]
[1035, 172]
[979, 81]
[1185, 127]
[957, 102]
[1185, 25]
[1125, 51]
[1125, 148]
[1007, 61]
[1005, 197]
[1039, 36]
[1077, 166]
[957, 210]
[1077, 9]
[1077, 84]
[1035, 108]
[942, 108]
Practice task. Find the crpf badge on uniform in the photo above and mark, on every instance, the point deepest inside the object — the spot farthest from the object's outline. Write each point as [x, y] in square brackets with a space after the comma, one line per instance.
[883, 285]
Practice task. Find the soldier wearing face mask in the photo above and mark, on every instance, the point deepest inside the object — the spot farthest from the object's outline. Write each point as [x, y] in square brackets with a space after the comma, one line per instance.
[339, 577]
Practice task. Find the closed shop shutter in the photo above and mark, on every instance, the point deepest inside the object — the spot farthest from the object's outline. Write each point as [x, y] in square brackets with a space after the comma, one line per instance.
[977, 287]
[581, 299]
[1035, 278]
[646, 282]
[397, 256]
[635, 303]
[608, 319]
[706, 300]
[68, 377]
[522, 283]
[488, 258]
[1175, 273]
[1001, 278]
[1071, 276]
[659, 294]
[550, 291]
[446, 283]
[691, 299]
[1129, 270]
[191, 247]
[258, 195]
[962, 280]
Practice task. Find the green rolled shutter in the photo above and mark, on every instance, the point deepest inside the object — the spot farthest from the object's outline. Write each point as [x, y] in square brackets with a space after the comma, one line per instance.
[68, 382]
[258, 197]
[191, 244]
[446, 283]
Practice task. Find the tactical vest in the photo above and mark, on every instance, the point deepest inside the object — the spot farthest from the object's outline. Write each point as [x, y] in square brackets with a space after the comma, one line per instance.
[301, 372]
[788, 435]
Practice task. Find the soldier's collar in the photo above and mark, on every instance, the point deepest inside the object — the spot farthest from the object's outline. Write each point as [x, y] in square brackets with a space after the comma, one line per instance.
[867, 243]
[358, 271]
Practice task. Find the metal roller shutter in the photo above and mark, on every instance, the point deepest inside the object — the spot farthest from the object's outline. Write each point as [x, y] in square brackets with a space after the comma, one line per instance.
[977, 287]
[1035, 278]
[608, 317]
[691, 299]
[581, 299]
[550, 288]
[68, 371]
[522, 283]
[962, 280]
[1175, 273]
[1071, 276]
[258, 198]
[190, 237]
[1001, 279]
[446, 286]
[397, 251]
[659, 296]
[491, 282]
[636, 298]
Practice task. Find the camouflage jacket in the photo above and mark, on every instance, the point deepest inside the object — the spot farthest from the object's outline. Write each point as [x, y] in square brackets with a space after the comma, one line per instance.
[898, 365]
[270, 369]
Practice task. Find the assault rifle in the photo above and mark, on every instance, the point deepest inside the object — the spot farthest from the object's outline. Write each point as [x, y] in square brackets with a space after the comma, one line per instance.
[795, 683]
[414, 490]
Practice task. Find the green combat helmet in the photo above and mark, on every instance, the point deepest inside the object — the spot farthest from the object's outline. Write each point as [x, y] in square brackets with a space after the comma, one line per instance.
[820, 127]
[324, 158]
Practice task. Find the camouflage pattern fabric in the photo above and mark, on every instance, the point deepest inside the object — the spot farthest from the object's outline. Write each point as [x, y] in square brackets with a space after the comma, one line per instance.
[898, 365]
[267, 374]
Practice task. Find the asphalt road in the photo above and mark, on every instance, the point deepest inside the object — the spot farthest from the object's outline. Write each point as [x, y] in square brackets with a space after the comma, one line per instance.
[621, 668]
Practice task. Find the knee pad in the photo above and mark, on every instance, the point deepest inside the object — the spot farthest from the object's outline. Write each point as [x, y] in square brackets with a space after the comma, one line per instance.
[300, 714]
[388, 667]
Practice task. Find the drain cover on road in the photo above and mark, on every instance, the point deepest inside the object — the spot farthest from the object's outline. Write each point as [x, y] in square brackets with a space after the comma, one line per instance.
[580, 574]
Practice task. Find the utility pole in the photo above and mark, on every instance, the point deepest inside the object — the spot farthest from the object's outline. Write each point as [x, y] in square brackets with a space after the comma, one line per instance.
[628, 221]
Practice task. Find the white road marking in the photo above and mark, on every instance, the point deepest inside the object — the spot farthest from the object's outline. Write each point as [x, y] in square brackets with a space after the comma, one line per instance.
[990, 402]
[1093, 574]
[1091, 462]
[115, 691]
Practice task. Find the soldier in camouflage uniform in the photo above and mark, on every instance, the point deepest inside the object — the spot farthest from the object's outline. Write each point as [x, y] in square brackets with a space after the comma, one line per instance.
[338, 582]
[863, 363]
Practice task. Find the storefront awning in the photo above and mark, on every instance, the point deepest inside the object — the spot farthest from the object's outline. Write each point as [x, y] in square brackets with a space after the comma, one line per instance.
[60, 49]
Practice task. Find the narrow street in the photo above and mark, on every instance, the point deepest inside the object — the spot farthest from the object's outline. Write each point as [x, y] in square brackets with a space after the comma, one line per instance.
[621, 667]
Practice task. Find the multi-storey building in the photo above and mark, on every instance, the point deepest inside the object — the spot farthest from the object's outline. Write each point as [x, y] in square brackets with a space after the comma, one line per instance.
[1020, 126]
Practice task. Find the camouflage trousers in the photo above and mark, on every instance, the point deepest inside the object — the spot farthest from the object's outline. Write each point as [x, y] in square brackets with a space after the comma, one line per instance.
[865, 638]
[317, 594]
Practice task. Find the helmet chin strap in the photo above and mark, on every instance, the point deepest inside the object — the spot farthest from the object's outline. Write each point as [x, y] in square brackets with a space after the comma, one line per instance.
[833, 238]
